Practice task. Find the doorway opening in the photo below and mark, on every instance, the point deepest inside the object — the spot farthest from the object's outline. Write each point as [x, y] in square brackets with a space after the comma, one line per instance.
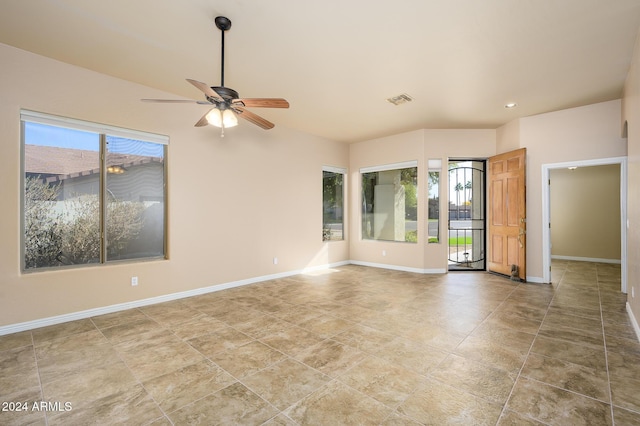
[546, 212]
[467, 215]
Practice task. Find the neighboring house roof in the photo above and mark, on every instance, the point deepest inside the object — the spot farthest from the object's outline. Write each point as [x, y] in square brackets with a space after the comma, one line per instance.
[66, 163]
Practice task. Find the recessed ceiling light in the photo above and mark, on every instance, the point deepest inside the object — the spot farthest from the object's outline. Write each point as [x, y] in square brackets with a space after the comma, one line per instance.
[400, 99]
[511, 105]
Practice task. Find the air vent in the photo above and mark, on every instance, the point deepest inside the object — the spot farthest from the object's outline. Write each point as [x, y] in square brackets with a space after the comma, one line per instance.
[400, 99]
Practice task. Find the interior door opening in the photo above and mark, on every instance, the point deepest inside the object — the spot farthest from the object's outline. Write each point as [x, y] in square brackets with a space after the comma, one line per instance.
[546, 213]
[467, 215]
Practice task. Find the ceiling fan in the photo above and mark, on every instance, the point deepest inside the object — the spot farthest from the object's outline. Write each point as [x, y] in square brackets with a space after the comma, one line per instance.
[227, 104]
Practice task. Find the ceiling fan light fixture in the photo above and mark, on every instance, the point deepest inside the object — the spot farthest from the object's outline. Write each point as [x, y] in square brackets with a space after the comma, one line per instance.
[222, 118]
[229, 118]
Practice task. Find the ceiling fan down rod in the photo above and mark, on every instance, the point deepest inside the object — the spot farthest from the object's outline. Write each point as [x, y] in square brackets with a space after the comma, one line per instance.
[223, 25]
[222, 62]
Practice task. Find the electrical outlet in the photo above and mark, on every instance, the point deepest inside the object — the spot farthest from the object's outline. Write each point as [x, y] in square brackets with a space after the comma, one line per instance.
[633, 292]
[384, 252]
[134, 281]
[275, 260]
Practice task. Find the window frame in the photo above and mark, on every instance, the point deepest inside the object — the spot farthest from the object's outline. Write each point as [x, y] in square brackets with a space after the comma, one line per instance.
[103, 131]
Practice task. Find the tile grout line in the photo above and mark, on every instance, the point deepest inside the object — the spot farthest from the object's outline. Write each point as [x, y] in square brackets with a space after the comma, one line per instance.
[238, 380]
[606, 355]
[504, 407]
[254, 339]
[451, 352]
[393, 410]
[518, 293]
[35, 359]
[113, 346]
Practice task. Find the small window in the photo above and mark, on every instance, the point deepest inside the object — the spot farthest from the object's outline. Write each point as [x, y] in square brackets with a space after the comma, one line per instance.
[390, 202]
[92, 193]
[332, 204]
[433, 223]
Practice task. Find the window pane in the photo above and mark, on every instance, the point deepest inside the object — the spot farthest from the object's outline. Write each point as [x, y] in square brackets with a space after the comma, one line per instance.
[389, 205]
[434, 207]
[134, 199]
[61, 187]
[332, 206]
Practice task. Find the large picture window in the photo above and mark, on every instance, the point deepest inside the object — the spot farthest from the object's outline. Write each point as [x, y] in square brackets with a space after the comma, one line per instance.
[92, 193]
[390, 202]
[332, 203]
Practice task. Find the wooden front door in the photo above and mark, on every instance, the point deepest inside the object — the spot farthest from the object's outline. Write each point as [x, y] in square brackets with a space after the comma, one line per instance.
[507, 214]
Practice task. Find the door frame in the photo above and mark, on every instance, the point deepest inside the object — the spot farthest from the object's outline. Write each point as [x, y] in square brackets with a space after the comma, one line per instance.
[485, 162]
[546, 212]
[507, 229]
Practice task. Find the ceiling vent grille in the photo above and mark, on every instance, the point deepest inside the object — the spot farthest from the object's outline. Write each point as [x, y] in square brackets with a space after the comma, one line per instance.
[400, 99]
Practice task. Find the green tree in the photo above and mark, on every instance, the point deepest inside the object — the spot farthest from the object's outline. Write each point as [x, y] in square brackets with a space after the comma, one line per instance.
[409, 180]
[331, 196]
[459, 187]
[332, 202]
[434, 179]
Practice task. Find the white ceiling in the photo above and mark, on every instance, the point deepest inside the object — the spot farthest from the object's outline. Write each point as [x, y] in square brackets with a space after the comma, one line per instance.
[336, 61]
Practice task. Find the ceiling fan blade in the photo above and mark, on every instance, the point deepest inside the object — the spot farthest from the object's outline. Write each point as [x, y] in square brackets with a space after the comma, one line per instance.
[205, 89]
[264, 102]
[203, 121]
[254, 118]
[176, 101]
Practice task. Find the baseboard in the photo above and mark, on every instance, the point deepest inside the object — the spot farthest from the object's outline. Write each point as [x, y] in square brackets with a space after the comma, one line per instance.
[319, 268]
[73, 316]
[586, 259]
[535, 280]
[636, 328]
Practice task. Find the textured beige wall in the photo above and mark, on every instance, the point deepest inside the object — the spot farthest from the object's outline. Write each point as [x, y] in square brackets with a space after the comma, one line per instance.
[237, 202]
[585, 133]
[393, 149]
[632, 117]
[234, 203]
[508, 137]
[421, 146]
[585, 212]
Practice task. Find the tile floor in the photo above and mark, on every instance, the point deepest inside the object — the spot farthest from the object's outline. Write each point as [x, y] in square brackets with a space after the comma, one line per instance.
[354, 345]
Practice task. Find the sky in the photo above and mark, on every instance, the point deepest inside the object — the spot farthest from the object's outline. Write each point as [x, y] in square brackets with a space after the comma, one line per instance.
[46, 135]
[62, 137]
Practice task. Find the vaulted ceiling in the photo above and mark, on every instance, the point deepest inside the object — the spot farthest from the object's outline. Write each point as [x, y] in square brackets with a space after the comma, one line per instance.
[338, 61]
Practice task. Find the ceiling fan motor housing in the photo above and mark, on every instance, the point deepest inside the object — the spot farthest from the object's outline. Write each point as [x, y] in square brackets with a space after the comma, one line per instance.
[226, 93]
